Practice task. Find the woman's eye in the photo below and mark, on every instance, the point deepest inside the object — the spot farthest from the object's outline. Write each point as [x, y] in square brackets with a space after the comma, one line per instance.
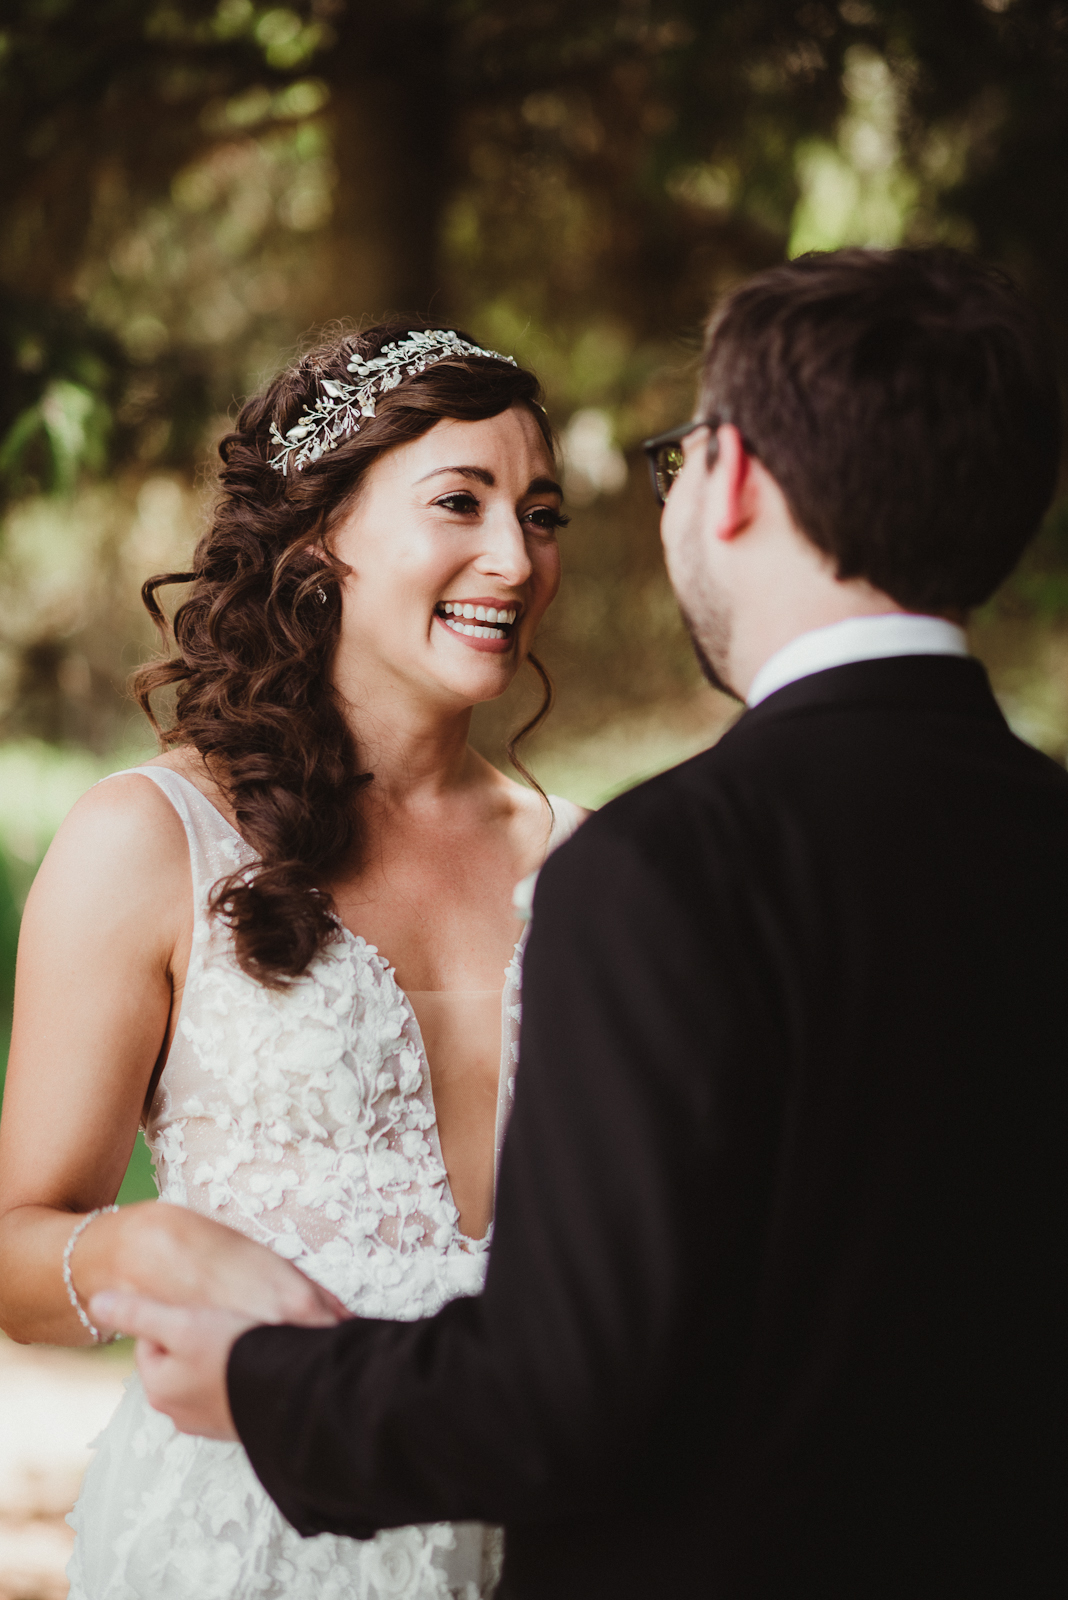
[546, 519]
[461, 502]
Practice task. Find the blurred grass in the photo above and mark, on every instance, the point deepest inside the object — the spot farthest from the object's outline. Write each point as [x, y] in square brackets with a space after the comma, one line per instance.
[594, 769]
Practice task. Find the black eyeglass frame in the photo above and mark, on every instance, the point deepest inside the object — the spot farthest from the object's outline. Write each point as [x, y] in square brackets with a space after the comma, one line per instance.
[653, 447]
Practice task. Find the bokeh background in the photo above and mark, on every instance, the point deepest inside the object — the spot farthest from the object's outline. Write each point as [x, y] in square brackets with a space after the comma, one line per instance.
[191, 185]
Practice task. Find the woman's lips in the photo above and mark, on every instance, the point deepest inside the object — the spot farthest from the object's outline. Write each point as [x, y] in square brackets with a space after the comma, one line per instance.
[499, 646]
[484, 624]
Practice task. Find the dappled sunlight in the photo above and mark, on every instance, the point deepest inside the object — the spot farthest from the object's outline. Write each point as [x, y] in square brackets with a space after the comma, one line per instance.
[856, 189]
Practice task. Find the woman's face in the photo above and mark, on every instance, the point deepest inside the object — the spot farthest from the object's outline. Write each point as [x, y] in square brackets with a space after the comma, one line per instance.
[451, 545]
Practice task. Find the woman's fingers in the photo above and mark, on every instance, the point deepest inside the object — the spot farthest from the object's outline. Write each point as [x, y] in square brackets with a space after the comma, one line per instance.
[246, 1276]
[336, 1307]
[309, 1304]
[252, 1280]
[300, 1301]
[185, 1259]
[269, 1289]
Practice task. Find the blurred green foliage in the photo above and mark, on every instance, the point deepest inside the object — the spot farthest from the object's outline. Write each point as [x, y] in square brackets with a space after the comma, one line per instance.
[56, 407]
[9, 933]
[192, 184]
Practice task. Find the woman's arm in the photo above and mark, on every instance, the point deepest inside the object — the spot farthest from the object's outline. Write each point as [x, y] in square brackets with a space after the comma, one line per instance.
[102, 958]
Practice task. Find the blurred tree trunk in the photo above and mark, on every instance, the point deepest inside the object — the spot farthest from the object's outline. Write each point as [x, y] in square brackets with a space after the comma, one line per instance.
[392, 133]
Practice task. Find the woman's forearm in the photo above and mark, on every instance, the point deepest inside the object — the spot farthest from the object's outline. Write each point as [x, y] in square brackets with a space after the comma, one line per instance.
[35, 1307]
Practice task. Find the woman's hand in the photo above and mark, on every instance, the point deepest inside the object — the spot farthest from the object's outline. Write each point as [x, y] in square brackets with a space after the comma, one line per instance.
[179, 1257]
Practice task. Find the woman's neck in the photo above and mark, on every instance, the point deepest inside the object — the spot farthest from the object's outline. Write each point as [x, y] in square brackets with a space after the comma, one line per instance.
[414, 751]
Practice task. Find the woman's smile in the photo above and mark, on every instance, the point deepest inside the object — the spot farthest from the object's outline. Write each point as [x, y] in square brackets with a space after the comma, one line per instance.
[482, 624]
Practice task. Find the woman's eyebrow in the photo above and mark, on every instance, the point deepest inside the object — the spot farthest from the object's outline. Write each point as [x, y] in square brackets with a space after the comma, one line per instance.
[478, 473]
[545, 486]
[481, 475]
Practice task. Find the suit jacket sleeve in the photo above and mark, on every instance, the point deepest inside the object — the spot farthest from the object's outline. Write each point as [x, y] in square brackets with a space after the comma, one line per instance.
[621, 1216]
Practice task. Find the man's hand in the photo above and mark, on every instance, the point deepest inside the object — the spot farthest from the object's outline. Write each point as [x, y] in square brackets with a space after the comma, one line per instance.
[181, 1355]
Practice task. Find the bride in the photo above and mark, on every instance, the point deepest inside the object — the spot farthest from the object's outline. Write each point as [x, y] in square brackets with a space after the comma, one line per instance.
[288, 944]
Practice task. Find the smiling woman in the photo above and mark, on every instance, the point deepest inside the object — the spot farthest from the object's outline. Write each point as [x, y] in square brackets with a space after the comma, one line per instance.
[434, 543]
[289, 943]
[297, 468]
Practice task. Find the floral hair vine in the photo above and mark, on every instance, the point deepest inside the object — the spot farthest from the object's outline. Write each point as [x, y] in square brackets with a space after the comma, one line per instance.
[322, 427]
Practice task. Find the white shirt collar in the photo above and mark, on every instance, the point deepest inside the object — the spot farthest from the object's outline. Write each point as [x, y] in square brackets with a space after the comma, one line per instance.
[857, 639]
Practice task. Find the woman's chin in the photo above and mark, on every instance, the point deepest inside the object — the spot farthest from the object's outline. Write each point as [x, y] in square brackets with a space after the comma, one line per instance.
[486, 678]
[491, 685]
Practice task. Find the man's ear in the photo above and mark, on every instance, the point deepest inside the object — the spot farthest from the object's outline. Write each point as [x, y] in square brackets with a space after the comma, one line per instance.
[734, 469]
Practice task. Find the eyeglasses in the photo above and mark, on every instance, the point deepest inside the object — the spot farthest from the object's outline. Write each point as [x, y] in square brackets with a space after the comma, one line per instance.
[666, 457]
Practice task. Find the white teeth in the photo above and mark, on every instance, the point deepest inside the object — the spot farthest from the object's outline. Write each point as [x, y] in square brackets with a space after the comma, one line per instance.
[474, 631]
[488, 614]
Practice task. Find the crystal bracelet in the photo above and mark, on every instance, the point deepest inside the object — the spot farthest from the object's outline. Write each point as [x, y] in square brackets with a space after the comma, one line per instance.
[72, 1293]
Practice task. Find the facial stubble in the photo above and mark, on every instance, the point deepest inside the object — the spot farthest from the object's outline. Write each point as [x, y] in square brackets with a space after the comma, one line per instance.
[710, 642]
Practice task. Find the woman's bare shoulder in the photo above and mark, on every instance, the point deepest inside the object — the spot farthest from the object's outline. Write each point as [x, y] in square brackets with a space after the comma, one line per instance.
[114, 890]
[520, 796]
[536, 819]
[123, 825]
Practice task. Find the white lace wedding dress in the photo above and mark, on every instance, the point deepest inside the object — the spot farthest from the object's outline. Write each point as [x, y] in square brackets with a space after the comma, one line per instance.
[305, 1119]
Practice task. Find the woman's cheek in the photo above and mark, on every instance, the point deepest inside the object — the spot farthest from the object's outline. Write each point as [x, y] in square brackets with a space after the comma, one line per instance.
[549, 572]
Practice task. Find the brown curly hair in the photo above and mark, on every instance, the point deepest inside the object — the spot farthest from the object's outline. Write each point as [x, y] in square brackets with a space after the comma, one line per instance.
[254, 641]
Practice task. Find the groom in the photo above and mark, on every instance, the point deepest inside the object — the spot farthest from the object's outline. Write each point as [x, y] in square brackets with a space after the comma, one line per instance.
[771, 1306]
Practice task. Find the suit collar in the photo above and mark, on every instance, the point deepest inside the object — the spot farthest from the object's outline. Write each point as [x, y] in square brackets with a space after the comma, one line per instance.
[957, 685]
[897, 633]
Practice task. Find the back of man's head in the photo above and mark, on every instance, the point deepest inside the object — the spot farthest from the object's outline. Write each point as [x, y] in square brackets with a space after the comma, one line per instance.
[906, 404]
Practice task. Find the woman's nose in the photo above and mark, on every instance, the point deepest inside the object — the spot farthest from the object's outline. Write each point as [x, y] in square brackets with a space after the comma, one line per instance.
[504, 554]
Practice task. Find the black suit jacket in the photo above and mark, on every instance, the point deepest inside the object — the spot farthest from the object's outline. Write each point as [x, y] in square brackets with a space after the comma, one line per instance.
[770, 1308]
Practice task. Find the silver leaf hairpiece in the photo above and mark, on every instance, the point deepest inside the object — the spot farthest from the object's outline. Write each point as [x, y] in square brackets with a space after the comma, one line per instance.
[322, 427]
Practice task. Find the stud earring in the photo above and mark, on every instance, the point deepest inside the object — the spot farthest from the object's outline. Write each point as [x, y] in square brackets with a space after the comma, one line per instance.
[320, 594]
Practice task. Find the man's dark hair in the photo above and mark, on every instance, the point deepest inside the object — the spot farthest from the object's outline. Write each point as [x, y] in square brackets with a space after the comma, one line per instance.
[906, 404]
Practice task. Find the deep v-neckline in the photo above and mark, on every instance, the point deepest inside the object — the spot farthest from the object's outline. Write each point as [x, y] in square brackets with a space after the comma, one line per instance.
[387, 971]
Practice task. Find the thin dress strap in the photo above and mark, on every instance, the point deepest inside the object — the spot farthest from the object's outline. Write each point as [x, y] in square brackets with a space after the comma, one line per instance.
[567, 816]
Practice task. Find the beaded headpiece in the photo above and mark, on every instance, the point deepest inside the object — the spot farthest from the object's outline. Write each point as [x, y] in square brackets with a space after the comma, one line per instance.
[322, 427]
